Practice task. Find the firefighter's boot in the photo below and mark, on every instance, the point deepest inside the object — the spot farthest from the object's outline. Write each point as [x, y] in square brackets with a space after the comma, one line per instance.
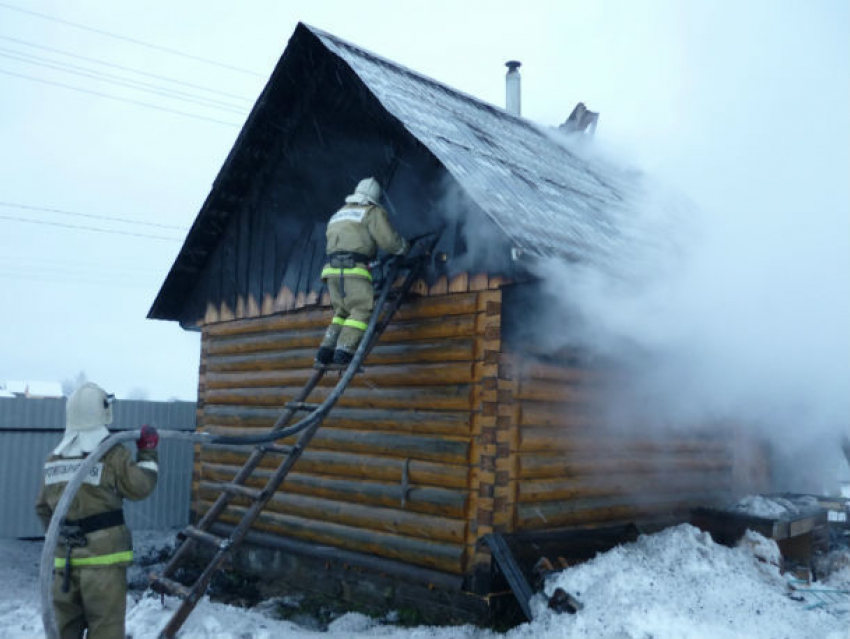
[325, 354]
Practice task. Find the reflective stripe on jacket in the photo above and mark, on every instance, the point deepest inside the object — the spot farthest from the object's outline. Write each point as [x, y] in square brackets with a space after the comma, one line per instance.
[363, 228]
[357, 271]
[125, 556]
[114, 478]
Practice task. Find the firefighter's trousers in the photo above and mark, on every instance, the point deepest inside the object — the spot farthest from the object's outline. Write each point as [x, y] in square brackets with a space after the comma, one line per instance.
[352, 311]
[97, 600]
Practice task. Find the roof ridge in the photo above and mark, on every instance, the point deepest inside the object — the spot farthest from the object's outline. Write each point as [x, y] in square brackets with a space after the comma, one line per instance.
[325, 35]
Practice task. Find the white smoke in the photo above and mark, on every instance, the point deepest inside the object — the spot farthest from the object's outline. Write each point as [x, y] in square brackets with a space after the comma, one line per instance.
[744, 315]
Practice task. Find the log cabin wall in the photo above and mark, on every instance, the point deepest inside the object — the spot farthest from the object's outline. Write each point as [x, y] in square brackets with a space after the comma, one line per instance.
[573, 470]
[403, 467]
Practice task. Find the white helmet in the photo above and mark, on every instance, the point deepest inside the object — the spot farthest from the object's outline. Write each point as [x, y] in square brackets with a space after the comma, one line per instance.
[87, 412]
[369, 189]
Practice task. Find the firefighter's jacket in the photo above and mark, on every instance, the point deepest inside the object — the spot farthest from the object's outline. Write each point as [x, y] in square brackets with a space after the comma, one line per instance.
[360, 229]
[115, 477]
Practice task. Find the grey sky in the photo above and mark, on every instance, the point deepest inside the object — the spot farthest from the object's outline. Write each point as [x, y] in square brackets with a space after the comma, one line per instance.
[745, 106]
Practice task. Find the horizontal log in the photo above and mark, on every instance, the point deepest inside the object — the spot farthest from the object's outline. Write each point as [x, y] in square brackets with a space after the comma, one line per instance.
[416, 308]
[450, 397]
[546, 465]
[420, 552]
[263, 342]
[558, 415]
[533, 439]
[545, 391]
[428, 329]
[531, 371]
[604, 485]
[397, 570]
[358, 515]
[351, 465]
[443, 502]
[373, 376]
[405, 446]
[457, 423]
[449, 350]
[294, 320]
[593, 512]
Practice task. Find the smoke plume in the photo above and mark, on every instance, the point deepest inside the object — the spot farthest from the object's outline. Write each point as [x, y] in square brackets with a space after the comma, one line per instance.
[743, 315]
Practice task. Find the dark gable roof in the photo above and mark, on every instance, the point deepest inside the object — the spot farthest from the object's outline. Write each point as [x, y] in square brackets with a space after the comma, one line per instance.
[542, 190]
[545, 197]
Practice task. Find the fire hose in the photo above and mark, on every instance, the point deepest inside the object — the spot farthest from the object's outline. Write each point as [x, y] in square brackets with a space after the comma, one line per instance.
[52, 536]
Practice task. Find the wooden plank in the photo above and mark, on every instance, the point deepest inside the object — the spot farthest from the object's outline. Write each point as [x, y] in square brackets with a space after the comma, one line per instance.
[537, 370]
[444, 502]
[450, 350]
[554, 414]
[454, 423]
[555, 440]
[547, 465]
[440, 287]
[440, 306]
[597, 511]
[434, 328]
[358, 515]
[478, 282]
[443, 449]
[450, 397]
[599, 485]
[375, 377]
[263, 342]
[554, 392]
[431, 554]
[354, 465]
[306, 318]
[459, 283]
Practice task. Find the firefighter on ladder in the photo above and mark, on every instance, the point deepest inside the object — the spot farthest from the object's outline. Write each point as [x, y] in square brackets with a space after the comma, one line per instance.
[354, 234]
[95, 547]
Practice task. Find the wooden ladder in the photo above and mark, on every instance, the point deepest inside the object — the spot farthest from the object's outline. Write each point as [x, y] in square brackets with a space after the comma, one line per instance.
[385, 307]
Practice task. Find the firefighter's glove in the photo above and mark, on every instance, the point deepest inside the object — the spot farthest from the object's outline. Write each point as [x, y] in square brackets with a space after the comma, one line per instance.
[148, 439]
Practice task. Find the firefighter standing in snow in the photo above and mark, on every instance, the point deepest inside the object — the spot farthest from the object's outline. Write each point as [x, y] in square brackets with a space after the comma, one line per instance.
[91, 593]
[354, 234]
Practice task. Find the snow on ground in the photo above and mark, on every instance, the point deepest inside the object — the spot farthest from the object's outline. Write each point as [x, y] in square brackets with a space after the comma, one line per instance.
[774, 507]
[676, 584]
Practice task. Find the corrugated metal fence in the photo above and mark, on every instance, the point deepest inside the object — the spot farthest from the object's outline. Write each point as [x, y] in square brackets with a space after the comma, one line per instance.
[30, 428]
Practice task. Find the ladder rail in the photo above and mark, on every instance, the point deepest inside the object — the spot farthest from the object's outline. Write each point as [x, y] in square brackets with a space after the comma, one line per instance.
[279, 431]
[381, 316]
[187, 605]
[224, 498]
[366, 343]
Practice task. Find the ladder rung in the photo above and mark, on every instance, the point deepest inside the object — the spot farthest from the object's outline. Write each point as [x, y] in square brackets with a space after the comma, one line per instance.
[342, 367]
[301, 405]
[243, 491]
[208, 538]
[275, 448]
[335, 367]
[164, 585]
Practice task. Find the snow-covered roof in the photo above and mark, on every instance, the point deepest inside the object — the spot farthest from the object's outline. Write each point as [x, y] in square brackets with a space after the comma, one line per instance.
[536, 184]
[32, 388]
[547, 193]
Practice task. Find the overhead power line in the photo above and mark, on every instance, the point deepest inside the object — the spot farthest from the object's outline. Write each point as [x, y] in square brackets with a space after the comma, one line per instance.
[117, 36]
[112, 65]
[95, 229]
[118, 99]
[101, 76]
[29, 207]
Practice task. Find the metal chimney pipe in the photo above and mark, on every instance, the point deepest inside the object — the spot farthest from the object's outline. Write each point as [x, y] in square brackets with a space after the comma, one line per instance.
[512, 89]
